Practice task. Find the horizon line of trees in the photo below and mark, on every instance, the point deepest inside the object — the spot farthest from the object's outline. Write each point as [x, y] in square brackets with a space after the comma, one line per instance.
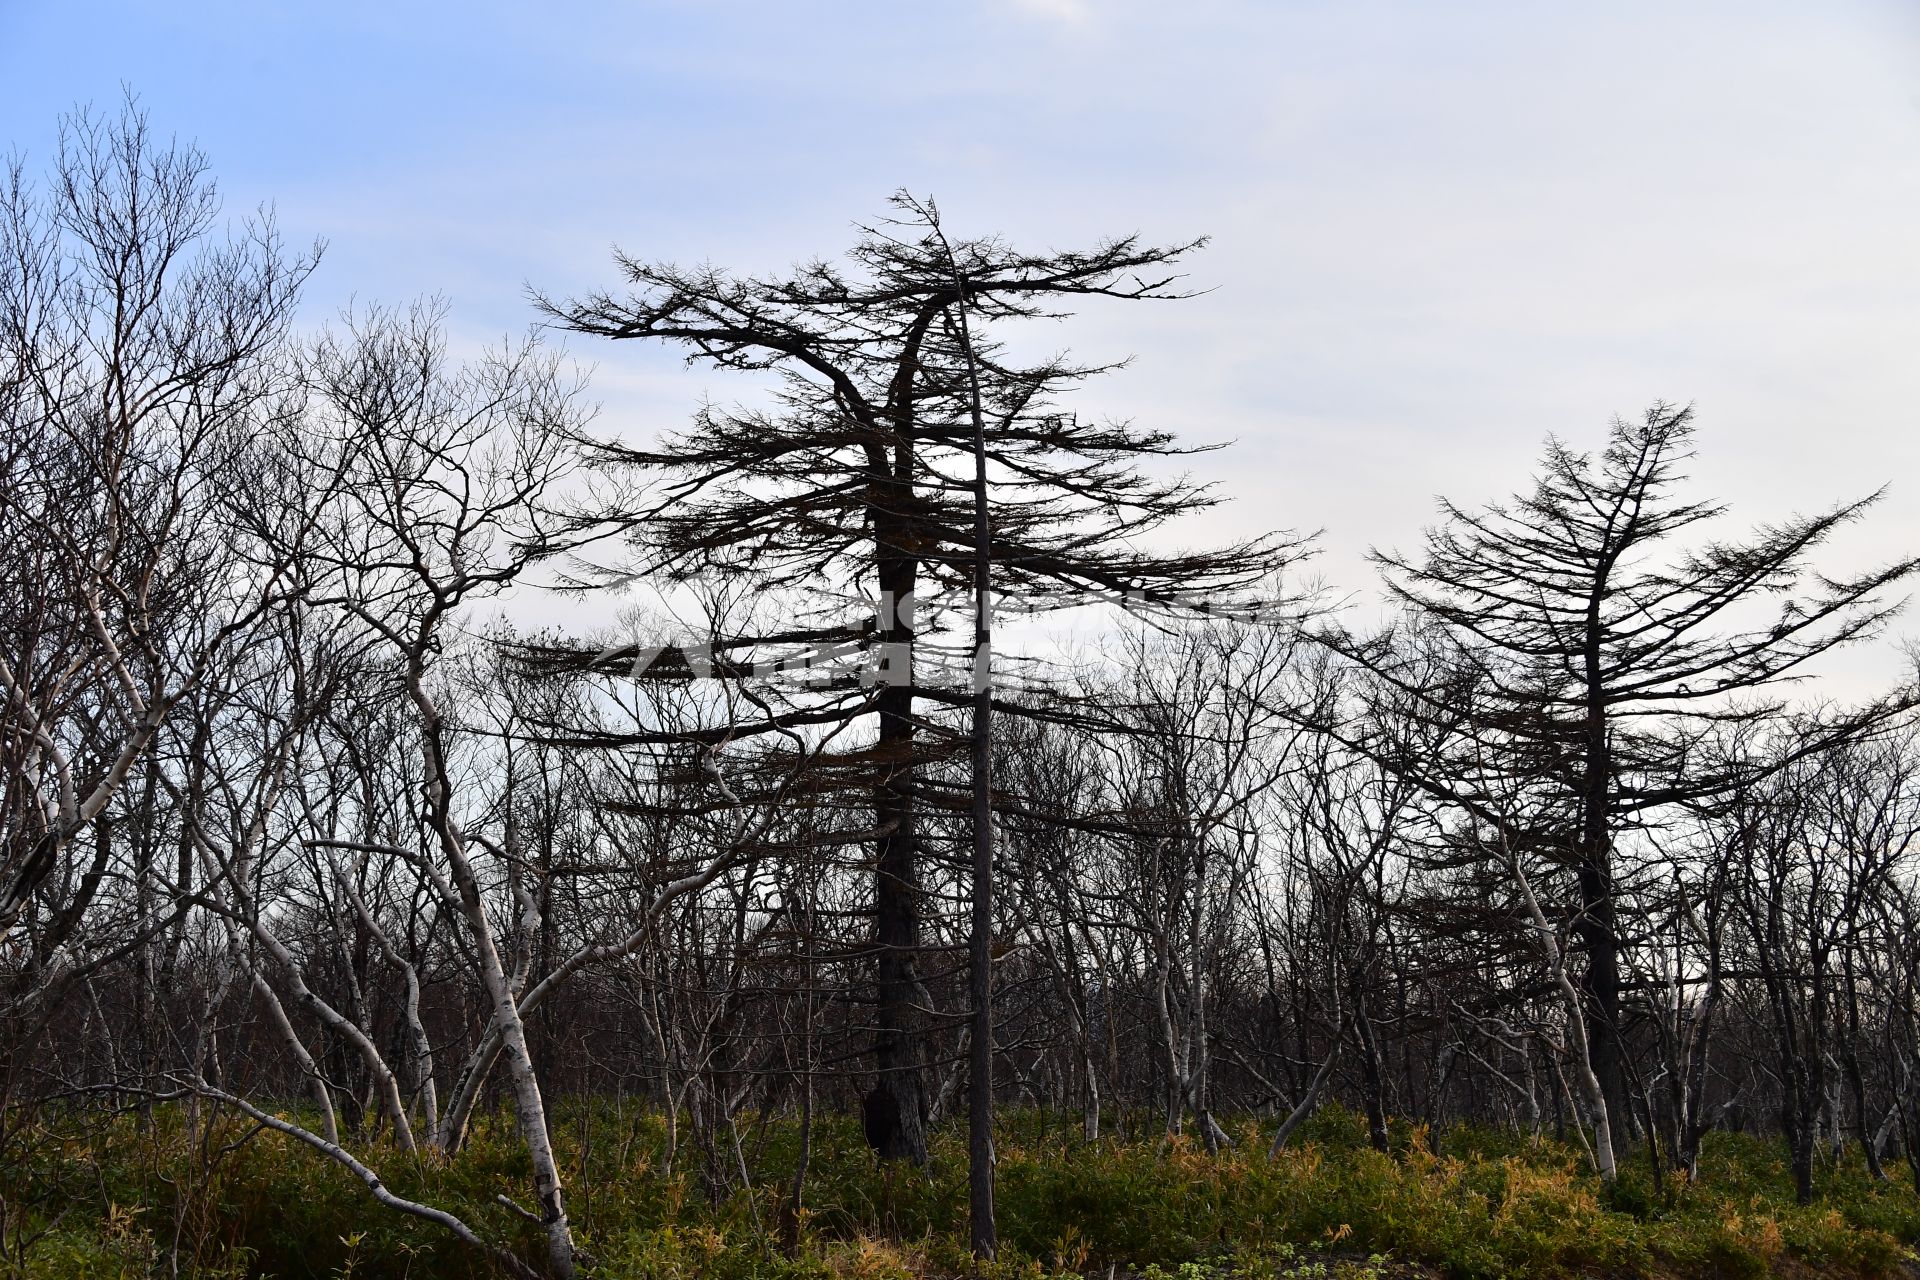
[283, 832]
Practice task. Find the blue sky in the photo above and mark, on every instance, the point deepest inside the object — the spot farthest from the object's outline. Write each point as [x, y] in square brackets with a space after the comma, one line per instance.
[1440, 231]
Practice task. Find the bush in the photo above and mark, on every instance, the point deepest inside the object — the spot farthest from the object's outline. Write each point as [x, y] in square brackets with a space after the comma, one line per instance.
[125, 1197]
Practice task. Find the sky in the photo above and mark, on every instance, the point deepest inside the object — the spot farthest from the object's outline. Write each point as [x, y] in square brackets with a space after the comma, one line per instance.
[1439, 232]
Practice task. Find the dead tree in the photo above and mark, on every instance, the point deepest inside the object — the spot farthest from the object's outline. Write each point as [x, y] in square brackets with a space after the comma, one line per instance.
[857, 481]
[1601, 650]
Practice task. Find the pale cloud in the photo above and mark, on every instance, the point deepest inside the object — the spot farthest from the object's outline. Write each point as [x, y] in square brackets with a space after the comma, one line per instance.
[1440, 231]
[1072, 12]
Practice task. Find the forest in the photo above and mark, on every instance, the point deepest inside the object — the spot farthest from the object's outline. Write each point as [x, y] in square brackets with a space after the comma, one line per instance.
[804, 906]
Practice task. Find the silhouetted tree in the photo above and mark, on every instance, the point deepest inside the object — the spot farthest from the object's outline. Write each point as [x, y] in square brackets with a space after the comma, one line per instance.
[858, 480]
[1601, 653]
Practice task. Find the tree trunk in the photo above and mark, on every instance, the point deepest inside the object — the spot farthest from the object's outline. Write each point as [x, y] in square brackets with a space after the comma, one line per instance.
[1371, 1089]
[506, 1010]
[894, 1110]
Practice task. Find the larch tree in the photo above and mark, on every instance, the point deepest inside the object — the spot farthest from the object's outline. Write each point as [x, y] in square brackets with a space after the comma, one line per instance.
[859, 481]
[1604, 656]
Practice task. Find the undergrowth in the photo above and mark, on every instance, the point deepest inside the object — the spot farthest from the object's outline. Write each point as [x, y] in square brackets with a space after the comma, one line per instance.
[138, 1196]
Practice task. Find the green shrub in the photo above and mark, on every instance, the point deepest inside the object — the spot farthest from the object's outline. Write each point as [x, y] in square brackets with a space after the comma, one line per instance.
[125, 1197]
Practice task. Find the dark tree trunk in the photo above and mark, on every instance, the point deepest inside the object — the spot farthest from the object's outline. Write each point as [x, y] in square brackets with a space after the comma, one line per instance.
[1371, 1090]
[1602, 982]
[894, 1110]
[1597, 926]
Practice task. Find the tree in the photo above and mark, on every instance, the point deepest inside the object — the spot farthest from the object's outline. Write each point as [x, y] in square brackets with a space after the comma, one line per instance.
[1201, 746]
[1601, 656]
[139, 356]
[857, 480]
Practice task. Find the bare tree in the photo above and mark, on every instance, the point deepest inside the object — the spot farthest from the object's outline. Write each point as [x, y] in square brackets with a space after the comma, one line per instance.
[857, 481]
[139, 353]
[1602, 654]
